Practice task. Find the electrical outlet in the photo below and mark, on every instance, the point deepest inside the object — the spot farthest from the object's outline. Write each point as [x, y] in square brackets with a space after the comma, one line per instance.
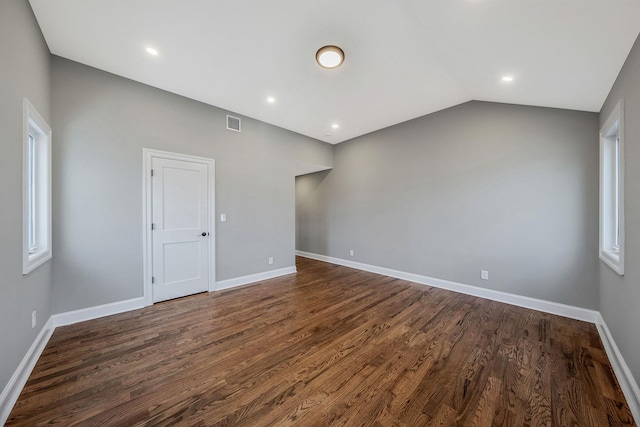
[484, 274]
[33, 319]
[270, 260]
[223, 217]
[350, 252]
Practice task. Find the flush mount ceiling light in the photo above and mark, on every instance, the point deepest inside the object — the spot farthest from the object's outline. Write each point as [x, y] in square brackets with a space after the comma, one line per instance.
[152, 51]
[330, 56]
[507, 79]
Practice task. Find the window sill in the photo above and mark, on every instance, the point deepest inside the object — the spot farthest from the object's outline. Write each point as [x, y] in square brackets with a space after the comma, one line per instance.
[36, 260]
[613, 260]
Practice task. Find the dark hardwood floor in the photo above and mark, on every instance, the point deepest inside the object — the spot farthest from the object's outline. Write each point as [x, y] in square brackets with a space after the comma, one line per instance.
[326, 346]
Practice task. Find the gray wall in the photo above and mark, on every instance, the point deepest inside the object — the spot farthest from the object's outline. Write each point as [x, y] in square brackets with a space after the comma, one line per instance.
[101, 123]
[24, 72]
[509, 189]
[620, 296]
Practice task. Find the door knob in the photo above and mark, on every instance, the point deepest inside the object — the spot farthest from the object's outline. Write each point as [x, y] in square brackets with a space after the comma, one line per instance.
[204, 234]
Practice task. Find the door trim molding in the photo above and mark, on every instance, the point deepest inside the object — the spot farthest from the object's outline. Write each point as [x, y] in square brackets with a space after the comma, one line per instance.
[147, 264]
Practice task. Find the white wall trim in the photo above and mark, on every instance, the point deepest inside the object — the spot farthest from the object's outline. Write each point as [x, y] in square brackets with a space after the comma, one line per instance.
[19, 378]
[90, 313]
[623, 373]
[578, 313]
[252, 278]
[629, 387]
[627, 383]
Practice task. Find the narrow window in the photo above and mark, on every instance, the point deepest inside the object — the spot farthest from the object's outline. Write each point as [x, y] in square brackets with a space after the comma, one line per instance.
[36, 190]
[612, 190]
[616, 196]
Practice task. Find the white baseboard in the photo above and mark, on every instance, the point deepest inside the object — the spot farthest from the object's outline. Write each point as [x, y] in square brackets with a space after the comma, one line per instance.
[629, 387]
[12, 390]
[628, 384]
[90, 313]
[17, 382]
[584, 314]
[252, 278]
[625, 378]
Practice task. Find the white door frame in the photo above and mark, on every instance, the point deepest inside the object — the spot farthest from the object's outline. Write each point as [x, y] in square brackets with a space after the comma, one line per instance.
[147, 248]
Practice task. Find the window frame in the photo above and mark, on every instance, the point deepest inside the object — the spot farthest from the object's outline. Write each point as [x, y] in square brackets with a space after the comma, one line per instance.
[611, 246]
[36, 190]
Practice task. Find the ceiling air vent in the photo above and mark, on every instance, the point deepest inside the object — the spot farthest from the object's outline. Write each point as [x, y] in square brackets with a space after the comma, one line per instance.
[233, 123]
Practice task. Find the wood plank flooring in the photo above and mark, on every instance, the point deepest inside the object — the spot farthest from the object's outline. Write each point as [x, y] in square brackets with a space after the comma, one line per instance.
[328, 346]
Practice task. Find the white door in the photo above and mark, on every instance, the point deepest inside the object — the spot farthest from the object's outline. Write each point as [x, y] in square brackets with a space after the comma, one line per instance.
[180, 230]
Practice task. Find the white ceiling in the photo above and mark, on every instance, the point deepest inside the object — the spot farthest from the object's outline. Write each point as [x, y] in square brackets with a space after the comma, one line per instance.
[404, 58]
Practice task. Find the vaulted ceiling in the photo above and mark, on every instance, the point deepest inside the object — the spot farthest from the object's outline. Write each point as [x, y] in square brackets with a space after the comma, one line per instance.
[404, 58]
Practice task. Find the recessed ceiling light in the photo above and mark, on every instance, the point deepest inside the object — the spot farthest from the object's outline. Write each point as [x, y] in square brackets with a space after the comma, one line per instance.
[507, 79]
[330, 56]
[152, 51]
[335, 126]
[271, 100]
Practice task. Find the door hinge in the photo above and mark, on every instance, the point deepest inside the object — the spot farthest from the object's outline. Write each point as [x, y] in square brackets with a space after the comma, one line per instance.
[153, 226]
[153, 279]
[151, 172]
